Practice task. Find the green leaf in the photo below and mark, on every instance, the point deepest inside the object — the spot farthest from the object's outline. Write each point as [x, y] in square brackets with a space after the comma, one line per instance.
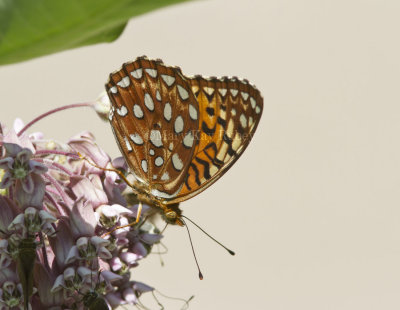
[32, 28]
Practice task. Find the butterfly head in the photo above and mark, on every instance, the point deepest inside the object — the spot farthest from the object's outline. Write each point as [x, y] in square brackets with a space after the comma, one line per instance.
[172, 214]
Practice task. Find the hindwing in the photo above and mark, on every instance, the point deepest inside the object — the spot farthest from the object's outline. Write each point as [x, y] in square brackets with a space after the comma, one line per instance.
[230, 110]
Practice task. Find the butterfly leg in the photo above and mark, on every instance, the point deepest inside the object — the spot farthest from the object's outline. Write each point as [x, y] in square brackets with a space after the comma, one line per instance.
[121, 175]
[139, 212]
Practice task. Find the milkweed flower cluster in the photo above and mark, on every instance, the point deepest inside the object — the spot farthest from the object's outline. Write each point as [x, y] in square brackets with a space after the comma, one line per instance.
[55, 212]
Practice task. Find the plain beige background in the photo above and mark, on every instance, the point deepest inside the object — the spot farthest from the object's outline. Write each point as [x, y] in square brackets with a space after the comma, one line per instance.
[312, 207]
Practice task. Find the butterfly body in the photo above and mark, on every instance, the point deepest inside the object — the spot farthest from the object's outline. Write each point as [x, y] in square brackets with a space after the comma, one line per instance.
[170, 212]
[179, 134]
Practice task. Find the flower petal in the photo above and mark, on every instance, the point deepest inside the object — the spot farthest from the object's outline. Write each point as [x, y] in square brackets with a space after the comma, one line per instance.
[33, 199]
[18, 223]
[27, 184]
[130, 296]
[61, 243]
[139, 249]
[82, 243]
[59, 284]
[110, 276]
[6, 180]
[24, 155]
[84, 143]
[150, 238]
[115, 300]
[49, 288]
[85, 273]
[102, 106]
[22, 141]
[82, 186]
[99, 242]
[36, 167]
[82, 219]
[73, 254]
[6, 163]
[142, 288]
[103, 253]
[12, 149]
[46, 217]
[8, 211]
[130, 258]
[115, 263]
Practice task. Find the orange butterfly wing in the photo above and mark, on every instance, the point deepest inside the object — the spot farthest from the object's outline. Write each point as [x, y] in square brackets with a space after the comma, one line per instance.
[154, 118]
[230, 110]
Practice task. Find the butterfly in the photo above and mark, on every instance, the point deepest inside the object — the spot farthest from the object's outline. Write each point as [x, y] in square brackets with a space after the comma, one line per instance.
[179, 134]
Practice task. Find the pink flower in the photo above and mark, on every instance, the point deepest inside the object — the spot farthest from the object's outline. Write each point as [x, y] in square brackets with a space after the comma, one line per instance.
[54, 200]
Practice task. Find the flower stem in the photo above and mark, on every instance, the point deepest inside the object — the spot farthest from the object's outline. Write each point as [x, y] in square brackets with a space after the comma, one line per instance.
[68, 201]
[70, 106]
[57, 152]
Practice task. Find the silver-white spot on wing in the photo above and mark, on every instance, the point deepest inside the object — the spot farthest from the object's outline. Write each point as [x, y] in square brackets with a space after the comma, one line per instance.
[188, 140]
[136, 138]
[234, 92]
[122, 111]
[137, 74]
[183, 93]
[124, 82]
[155, 138]
[144, 165]
[251, 121]
[158, 96]
[114, 89]
[160, 194]
[177, 162]
[245, 96]
[165, 176]
[171, 146]
[151, 152]
[258, 109]
[252, 102]
[159, 161]
[243, 120]
[169, 80]
[208, 90]
[137, 111]
[168, 111]
[233, 111]
[148, 102]
[151, 72]
[222, 91]
[192, 112]
[127, 144]
[178, 125]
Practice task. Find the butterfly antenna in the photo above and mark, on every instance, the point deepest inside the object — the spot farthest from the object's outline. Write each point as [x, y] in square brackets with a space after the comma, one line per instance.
[209, 236]
[194, 253]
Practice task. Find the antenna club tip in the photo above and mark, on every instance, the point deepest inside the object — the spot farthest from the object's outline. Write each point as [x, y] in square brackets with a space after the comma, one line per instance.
[200, 276]
[231, 252]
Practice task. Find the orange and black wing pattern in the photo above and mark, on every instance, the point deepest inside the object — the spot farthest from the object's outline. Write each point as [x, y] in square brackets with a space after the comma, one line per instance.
[230, 110]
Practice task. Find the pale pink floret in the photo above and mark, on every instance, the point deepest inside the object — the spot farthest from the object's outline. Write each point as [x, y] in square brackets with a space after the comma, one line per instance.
[66, 205]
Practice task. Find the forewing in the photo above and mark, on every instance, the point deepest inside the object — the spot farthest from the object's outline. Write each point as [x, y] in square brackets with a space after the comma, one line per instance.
[154, 117]
[230, 110]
